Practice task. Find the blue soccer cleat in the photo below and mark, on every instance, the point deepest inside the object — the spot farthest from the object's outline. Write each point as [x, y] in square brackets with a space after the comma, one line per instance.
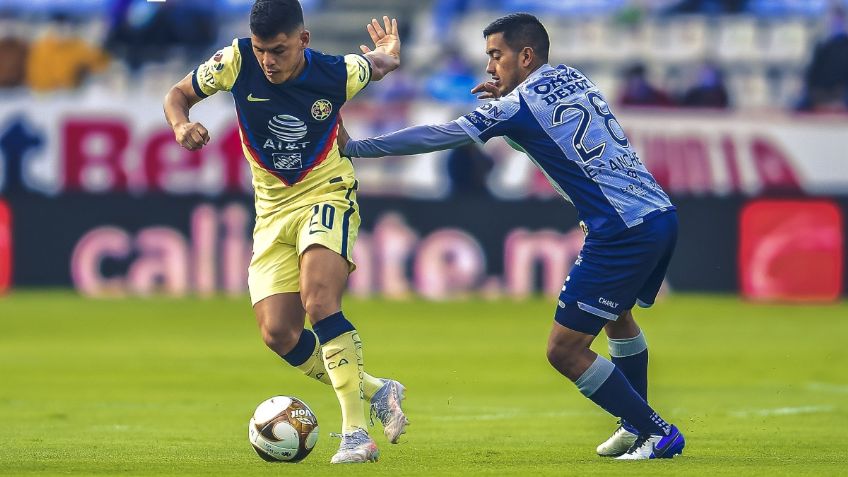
[652, 446]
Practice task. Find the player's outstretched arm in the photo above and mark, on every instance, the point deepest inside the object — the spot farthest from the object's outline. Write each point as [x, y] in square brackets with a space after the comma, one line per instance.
[385, 57]
[409, 141]
[178, 101]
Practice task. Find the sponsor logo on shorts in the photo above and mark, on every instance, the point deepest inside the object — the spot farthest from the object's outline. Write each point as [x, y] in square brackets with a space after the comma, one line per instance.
[609, 303]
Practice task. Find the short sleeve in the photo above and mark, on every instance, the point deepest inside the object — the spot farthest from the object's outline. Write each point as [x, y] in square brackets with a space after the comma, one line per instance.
[358, 74]
[219, 73]
[490, 120]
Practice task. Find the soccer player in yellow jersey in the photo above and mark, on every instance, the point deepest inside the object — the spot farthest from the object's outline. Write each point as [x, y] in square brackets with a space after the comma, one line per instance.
[287, 99]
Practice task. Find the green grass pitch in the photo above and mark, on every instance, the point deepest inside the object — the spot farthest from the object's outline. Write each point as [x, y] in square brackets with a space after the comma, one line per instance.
[166, 387]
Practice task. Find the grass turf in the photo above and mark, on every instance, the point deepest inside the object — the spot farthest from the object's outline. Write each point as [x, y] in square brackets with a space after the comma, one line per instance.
[166, 387]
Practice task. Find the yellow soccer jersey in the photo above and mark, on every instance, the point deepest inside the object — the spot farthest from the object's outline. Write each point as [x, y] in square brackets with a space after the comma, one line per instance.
[288, 130]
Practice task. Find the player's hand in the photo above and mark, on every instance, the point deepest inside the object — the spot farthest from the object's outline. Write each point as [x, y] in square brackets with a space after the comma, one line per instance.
[191, 136]
[386, 40]
[342, 137]
[489, 90]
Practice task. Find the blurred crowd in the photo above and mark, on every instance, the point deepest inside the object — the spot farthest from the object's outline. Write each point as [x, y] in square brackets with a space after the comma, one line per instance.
[63, 50]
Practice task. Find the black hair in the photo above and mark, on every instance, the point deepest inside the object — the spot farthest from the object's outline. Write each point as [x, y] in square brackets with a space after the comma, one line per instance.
[521, 30]
[268, 18]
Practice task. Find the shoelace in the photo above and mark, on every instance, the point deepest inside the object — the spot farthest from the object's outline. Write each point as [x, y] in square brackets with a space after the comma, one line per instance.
[640, 441]
[381, 414]
[620, 426]
[348, 440]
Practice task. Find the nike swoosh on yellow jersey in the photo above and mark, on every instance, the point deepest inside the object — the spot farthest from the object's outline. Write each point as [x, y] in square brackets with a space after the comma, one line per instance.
[250, 97]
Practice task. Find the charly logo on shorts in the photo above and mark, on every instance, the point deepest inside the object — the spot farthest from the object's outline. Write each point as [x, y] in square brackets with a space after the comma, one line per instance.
[321, 109]
[287, 128]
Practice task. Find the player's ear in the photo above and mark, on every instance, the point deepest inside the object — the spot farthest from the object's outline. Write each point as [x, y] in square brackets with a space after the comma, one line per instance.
[526, 56]
[304, 38]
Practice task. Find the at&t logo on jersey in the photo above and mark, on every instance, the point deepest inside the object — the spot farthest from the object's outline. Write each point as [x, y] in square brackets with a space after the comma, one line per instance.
[289, 130]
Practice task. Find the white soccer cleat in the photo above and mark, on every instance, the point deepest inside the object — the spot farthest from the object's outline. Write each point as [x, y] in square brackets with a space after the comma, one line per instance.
[652, 446]
[356, 447]
[386, 405]
[619, 442]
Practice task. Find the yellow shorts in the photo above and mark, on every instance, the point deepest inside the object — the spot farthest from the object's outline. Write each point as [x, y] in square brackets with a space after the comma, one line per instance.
[327, 216]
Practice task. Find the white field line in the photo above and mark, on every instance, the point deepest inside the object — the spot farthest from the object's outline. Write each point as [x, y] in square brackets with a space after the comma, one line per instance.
[783, 411]
[827, 388]
[504, 415]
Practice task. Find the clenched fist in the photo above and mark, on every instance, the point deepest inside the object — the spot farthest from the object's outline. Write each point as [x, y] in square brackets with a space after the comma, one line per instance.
[191, 136]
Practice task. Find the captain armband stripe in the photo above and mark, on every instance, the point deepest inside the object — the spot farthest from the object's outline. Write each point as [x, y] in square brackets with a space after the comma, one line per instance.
[370, 68]
[196, 86]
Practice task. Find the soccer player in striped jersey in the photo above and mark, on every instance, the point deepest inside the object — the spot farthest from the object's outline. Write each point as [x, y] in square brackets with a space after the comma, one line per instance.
[560, 119]
[287, 99]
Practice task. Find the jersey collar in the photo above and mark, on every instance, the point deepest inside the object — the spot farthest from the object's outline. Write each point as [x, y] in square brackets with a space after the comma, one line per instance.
[537, 73]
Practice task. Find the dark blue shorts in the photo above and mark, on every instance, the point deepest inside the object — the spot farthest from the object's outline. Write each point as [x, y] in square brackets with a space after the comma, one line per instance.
[612, 274]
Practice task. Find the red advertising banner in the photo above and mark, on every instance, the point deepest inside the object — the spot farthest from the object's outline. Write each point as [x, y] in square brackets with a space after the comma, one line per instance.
[5, 247]
[117, 145]
[791, 250]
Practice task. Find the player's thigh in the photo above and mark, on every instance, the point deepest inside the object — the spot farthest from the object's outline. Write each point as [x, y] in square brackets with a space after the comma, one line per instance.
[274, 266]
[323, 271]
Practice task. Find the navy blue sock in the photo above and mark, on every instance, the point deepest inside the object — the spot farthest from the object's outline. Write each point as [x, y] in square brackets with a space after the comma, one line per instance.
[302, 350]
[331, 327]
[607, 387]
[630, 355]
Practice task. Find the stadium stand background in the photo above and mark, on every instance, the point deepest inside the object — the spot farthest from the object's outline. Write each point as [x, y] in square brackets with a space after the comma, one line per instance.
[761, 46]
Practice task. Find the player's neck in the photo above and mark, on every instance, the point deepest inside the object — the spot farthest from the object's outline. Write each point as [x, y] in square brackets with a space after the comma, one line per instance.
[296, 71]
[300, 67]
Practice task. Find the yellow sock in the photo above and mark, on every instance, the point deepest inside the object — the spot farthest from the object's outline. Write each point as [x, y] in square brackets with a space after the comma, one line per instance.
[371, 385]
[314, 368]
[343, 361]
[314, 365]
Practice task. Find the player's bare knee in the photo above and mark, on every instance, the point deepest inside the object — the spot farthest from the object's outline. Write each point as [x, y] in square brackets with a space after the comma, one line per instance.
[319, 302]
[281, 341]
[317, 308]
[562, 355]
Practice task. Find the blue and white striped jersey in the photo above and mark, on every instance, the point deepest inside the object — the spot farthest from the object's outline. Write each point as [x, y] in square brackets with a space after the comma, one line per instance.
[559, 118]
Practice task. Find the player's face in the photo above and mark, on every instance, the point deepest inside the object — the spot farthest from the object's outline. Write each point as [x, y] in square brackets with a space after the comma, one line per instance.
[505, 64]
[281, 57]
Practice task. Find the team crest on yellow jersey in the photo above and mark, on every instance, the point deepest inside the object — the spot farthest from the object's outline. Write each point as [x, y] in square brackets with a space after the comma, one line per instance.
[321, 109]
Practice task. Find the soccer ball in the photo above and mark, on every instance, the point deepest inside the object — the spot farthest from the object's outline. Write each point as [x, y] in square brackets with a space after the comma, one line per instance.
[283, 429]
